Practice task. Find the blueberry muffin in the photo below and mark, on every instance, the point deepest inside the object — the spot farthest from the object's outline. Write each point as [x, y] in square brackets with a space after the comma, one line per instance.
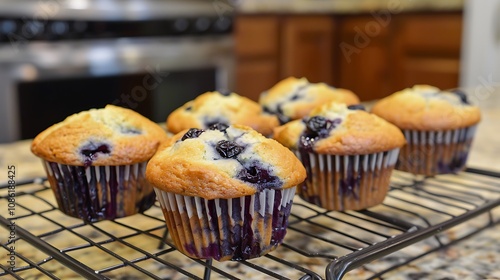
[439, 127]
[221, 107]
[293, 98]
[95, 162]
[348, 153]
[226, 192]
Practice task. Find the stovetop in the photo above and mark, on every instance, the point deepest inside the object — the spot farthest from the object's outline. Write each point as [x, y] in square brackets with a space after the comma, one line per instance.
[56, 20]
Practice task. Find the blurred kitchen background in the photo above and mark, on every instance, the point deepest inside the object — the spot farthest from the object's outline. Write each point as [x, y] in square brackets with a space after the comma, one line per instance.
[59, 57]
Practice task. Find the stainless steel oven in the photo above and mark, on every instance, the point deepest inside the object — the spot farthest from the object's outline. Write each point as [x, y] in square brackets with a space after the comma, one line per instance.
[61, 57]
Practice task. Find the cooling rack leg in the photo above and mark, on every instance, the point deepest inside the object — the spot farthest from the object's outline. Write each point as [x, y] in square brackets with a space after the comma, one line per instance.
[208, 270]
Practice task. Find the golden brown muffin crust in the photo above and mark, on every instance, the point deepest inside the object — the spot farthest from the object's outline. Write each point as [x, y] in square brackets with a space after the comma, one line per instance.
[426, 108]
[212, 107]
[192, 167]
[359, 132]
[130, 138]
[310, 95]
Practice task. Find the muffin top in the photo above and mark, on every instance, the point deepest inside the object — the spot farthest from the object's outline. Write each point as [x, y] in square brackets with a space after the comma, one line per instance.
[293, 98]
[223, 162]
[338, 129]
[221, 107]
[427, 108]
[107, 136]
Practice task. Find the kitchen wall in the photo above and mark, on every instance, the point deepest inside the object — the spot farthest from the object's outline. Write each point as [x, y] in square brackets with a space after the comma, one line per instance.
[481, 50]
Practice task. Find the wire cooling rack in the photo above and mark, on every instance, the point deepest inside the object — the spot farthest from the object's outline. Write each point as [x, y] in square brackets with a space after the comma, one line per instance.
[432, 212]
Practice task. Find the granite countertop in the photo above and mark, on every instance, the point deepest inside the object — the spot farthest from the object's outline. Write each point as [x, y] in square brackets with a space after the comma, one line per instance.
[344, 6]
[474, 258]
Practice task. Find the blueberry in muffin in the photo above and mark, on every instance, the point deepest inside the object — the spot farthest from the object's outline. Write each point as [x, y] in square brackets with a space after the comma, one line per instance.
[293, 98]
[220, 107]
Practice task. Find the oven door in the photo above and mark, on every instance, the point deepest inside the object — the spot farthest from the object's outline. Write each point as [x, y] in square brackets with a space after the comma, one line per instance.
[49, 81]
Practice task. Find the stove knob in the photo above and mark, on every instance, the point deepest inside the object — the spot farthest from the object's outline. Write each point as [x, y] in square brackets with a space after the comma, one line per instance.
[80, 26]
[180, 25]
[202, 24]
[32, 29]
[8, 26]
[223, 24]
[59, 28]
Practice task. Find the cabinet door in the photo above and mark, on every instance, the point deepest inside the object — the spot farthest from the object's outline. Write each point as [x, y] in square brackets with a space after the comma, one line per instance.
[307, 48]
[255, 76]
[427, 50]
[363, 57]
[256, 50]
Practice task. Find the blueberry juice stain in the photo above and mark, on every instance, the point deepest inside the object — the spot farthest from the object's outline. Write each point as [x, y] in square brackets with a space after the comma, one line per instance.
[317, 128]
[255, 174]
[350, 183]
[91, 152]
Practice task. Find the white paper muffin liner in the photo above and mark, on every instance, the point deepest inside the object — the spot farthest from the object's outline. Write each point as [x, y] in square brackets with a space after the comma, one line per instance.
[336, 182]
[100, 192]
[227, 229]
[436, 152]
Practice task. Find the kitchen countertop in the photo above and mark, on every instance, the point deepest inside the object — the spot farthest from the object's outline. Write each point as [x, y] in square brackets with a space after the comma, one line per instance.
[474, 258]
[345, 6]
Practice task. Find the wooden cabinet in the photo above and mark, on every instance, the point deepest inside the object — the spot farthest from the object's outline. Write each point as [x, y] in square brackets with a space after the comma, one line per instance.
[427, 49]
[376, 60]
[364, 62]
[307, 48]
[270, 48]
[357, 52]
[256, 48]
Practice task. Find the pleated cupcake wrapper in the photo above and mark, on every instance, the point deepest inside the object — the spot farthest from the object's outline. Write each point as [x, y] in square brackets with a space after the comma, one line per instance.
[100, 192]
[435, 152]
[227, 229]
[336, 182]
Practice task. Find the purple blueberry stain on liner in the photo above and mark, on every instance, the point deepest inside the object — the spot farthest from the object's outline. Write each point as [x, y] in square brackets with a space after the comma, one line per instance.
[349, 185]
[239, 239]
[454, 166]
